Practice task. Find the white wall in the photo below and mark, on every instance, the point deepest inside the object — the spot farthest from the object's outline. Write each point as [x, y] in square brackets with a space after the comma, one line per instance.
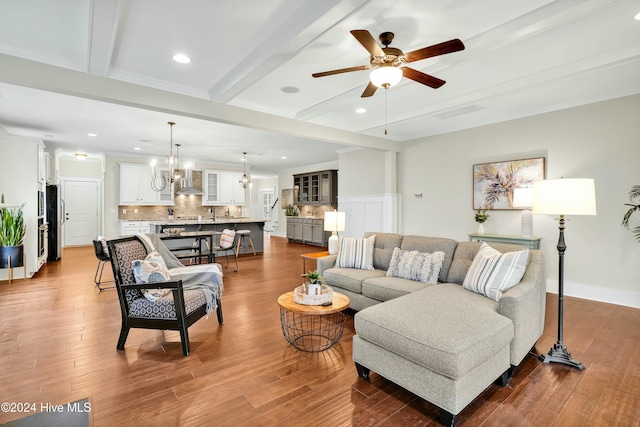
[600, 141]
[361, 181]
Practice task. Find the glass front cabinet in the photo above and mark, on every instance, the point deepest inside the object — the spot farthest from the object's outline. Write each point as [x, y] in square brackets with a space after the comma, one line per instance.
[319, 188]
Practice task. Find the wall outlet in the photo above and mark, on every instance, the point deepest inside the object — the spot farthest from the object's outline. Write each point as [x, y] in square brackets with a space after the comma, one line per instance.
[209, 210]
[124, 211]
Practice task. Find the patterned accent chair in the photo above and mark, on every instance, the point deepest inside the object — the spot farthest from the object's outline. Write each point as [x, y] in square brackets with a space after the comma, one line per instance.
[176, 312]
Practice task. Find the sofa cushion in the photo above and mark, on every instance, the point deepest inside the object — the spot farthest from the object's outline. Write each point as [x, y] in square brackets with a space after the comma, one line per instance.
[492, 272]
[464, 254]
[383, 248]
[432, 244]
[420, 266]
[444, 328]
[350, 278]
[356, 253]
[386, 288]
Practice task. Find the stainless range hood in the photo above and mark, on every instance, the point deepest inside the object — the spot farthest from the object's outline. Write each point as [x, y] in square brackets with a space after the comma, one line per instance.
[187, 182]
[189, 190]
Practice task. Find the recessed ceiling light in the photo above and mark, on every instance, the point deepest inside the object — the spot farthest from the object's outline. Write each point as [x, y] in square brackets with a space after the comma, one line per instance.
[80, 156]
[637, 17]
[361, 110]
[181, 58]
[49, 136]
[92, 134]
[137, 148]
[290, 89]
[284, 157]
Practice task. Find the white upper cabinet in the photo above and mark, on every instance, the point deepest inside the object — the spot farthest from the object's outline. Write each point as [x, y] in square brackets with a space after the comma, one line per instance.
[222, 188]
[135, 186]
[231, 192]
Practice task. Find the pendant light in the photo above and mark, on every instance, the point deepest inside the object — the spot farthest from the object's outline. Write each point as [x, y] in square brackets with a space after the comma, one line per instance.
[244, 182]
[159, 183]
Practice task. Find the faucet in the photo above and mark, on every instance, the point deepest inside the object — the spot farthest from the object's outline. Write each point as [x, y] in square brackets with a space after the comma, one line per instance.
[226, 212]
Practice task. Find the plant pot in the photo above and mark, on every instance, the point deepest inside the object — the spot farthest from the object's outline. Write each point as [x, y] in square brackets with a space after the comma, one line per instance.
[480, 229]
[16, 253]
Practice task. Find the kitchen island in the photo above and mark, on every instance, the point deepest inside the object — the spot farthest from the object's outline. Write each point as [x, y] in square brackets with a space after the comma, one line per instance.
[255, 225]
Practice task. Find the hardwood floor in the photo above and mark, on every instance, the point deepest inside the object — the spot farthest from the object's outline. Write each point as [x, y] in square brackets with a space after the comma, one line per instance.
[58, 336]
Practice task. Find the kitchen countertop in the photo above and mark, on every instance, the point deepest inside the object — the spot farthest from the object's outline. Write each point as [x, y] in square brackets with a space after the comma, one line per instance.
[220, 220]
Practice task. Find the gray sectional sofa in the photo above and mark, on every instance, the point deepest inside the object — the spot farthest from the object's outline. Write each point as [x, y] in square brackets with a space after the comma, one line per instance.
[442, 342]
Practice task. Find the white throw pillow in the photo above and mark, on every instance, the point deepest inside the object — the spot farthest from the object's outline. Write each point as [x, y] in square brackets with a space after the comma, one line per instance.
[356, 253]
[151, 270]
[492, 273]
[419, 266]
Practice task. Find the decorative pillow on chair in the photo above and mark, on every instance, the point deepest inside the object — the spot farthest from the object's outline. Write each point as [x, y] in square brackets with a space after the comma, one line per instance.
[103, 241]
[356, 253]
[492, 273]
[419, 266]
[226, 238]
[150, 270]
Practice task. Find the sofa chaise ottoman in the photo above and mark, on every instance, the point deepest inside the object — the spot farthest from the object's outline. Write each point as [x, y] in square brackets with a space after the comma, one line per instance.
[443, 342]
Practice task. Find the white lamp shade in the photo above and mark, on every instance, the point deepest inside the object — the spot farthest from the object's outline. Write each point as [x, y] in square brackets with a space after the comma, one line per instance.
[387, 75]
[523, 197]
[334, 221]
[575, 196]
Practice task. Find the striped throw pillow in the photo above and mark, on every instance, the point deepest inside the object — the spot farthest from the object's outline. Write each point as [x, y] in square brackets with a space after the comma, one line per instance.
[226, 239]
[355, 253]
[492, 273]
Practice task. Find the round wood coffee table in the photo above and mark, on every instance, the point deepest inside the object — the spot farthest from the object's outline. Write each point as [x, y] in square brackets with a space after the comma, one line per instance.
[312, 328]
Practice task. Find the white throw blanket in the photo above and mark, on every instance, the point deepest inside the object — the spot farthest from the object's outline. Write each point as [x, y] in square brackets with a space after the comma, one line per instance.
[206, 277]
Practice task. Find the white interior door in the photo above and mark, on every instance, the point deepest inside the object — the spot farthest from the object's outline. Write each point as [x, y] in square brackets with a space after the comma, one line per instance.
[81, 214]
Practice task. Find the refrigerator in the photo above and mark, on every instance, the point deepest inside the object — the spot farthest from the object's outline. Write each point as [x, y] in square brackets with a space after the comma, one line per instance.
[55, 212]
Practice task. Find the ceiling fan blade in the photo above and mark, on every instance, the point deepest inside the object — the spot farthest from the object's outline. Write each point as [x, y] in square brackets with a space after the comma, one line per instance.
[423, 78]
[341, 70]
[435, 50]
[369, 90]
[366, 39]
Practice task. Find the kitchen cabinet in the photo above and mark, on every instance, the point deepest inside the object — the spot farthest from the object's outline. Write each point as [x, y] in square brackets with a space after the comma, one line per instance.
[22, 180]
[231, 192]
[222, 188]
[42, 170]
[316, 188]
[130, 228]
[210, 187]
[307, 230]
[135, 186]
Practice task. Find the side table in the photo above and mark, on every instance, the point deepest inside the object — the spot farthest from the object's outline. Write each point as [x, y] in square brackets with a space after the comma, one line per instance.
[312, 328]
[529, 242]
[313, 255]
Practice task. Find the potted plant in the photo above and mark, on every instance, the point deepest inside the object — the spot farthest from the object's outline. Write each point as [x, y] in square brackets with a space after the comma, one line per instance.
[12, 229]
[634, 196]
[480, 217]
[314, 282]
[291, 210]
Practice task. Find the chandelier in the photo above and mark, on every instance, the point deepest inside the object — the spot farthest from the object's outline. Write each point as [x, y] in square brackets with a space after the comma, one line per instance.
[244, 182]
[159, 181]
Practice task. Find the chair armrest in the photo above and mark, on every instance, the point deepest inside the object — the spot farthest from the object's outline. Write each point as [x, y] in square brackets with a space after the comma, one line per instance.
[173, 284]
[326, 262]
[525, 305]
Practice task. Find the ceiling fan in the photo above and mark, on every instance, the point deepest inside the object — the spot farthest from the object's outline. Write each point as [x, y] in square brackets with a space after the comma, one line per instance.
[387, 63]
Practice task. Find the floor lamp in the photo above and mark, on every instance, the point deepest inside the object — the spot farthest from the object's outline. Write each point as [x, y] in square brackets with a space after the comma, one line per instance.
[563, 197]
[334, 221]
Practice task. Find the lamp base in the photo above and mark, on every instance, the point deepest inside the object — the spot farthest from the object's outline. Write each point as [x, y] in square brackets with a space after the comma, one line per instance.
[559, 354]
[333, 244]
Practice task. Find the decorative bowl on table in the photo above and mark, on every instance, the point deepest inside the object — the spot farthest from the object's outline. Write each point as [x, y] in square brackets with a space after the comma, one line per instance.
[173, 231]
[325, 297]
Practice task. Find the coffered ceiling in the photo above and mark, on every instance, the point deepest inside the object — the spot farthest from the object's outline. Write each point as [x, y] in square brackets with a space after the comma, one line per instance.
[73, 67]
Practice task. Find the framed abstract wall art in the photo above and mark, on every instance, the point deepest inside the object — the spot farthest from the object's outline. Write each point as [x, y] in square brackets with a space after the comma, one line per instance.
[493, 183]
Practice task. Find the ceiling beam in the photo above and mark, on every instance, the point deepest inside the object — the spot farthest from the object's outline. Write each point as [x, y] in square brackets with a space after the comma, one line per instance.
[50, 78]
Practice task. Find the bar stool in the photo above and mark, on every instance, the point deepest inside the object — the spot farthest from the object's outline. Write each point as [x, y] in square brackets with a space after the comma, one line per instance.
[244, 234]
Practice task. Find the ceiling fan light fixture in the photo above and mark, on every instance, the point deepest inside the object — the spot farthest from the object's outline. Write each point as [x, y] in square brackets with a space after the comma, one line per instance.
[386, 76]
